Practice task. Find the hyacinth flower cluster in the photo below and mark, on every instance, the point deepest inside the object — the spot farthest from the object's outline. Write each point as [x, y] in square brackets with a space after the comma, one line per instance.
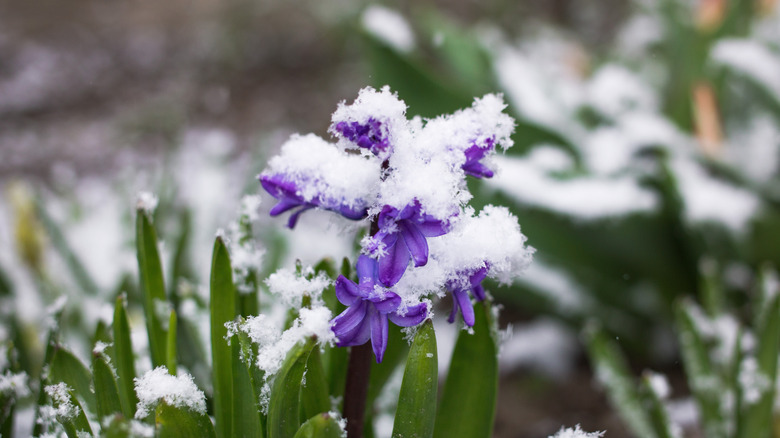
[405, 179]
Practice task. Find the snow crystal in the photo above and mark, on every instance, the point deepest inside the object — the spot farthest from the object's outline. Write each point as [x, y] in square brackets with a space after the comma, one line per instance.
[275, 345]
[576, 433]
[60, 395]
[176, 391]
[586, 198]
[752, 59]
[147, 202]
[14, 385]
[390, 27]
[291, 287]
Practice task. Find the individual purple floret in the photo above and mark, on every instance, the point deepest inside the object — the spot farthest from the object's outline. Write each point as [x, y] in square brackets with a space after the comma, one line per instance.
[401, 237]
[460, 295]
[370, 308]
[288, 195]
[365, 135]
[474, 154]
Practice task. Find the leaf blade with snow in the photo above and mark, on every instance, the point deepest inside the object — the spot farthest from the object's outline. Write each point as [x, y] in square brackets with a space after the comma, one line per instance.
[223, 310]
[152, 285]
[284, 407]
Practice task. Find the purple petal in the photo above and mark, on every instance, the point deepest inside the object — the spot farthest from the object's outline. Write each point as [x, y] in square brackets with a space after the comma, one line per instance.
[454, 311]
[393, 265]
[477, 170]
[351, 327]
[284, 205]
[347, 291]
[354, 213]
[388, 303]
[479, 292]
[294, 217]
[379, 335]
[366, 269]
[466, 308]
[415, 242]
[432, 227]
[413, 316]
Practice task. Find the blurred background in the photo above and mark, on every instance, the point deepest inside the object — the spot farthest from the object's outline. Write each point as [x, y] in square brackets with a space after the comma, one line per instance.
[645, 165]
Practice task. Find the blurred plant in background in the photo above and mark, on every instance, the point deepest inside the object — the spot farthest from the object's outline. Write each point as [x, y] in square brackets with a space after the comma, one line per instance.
[644, 172]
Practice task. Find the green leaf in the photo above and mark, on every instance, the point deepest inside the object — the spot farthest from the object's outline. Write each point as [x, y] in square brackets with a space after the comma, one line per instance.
[152, 285]
[397, 349]
[246, 418]
[320, 426]
[223, 309]
[67, 368]
[468, 404]
[655, 408]
[705, 384]
[106, 392]
[758, 416]
[174, 422]
[60, 243]
[314, 393]
[284, 407]
[612, 371]
[123, 358]
[417, 401]
[170, 344]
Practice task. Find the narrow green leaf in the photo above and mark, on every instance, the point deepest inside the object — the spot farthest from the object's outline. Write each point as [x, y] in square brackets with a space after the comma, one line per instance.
[152, 285]
[60, 243]
[284, 407]
[314, 393]
[246, 418]
[123, 358]
[758, 415]
[612, 371]
[47, 360]
[320, 426]
[173, 422]
[468, 404]
[67, 368]
[170, 344]
[397, 350]
[705, 384]
[75, 427]
[106, 392]
[655, 408]
[223, 309]
[417, 401]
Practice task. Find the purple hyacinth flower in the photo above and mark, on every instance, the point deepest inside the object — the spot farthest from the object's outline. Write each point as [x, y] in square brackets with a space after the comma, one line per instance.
[460, 295]
[287, 192]
[365, 135]
[474, 154]
[402, 237]
[370, 308]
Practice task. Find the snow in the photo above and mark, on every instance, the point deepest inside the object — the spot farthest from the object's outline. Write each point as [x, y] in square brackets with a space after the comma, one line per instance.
[752, 59]
[558, 286]
[585, 198]
[14, 385]
[752, 382]
[576, 432]
[147, 201]
[707, 199]
[177, 391]
[614, 90]
[64, 410]
[291, 287]
[390, 27]
[659, 384]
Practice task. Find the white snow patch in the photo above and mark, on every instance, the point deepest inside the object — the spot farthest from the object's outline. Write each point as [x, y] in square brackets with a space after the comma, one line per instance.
[176, 391]
[545, 346]
[147, 201]
[291, 287]
[576, 432]
[752, 59]
[390, 27]
[14, 385]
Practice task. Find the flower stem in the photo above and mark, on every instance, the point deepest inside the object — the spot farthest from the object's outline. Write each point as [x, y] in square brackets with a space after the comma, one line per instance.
[356, 389]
